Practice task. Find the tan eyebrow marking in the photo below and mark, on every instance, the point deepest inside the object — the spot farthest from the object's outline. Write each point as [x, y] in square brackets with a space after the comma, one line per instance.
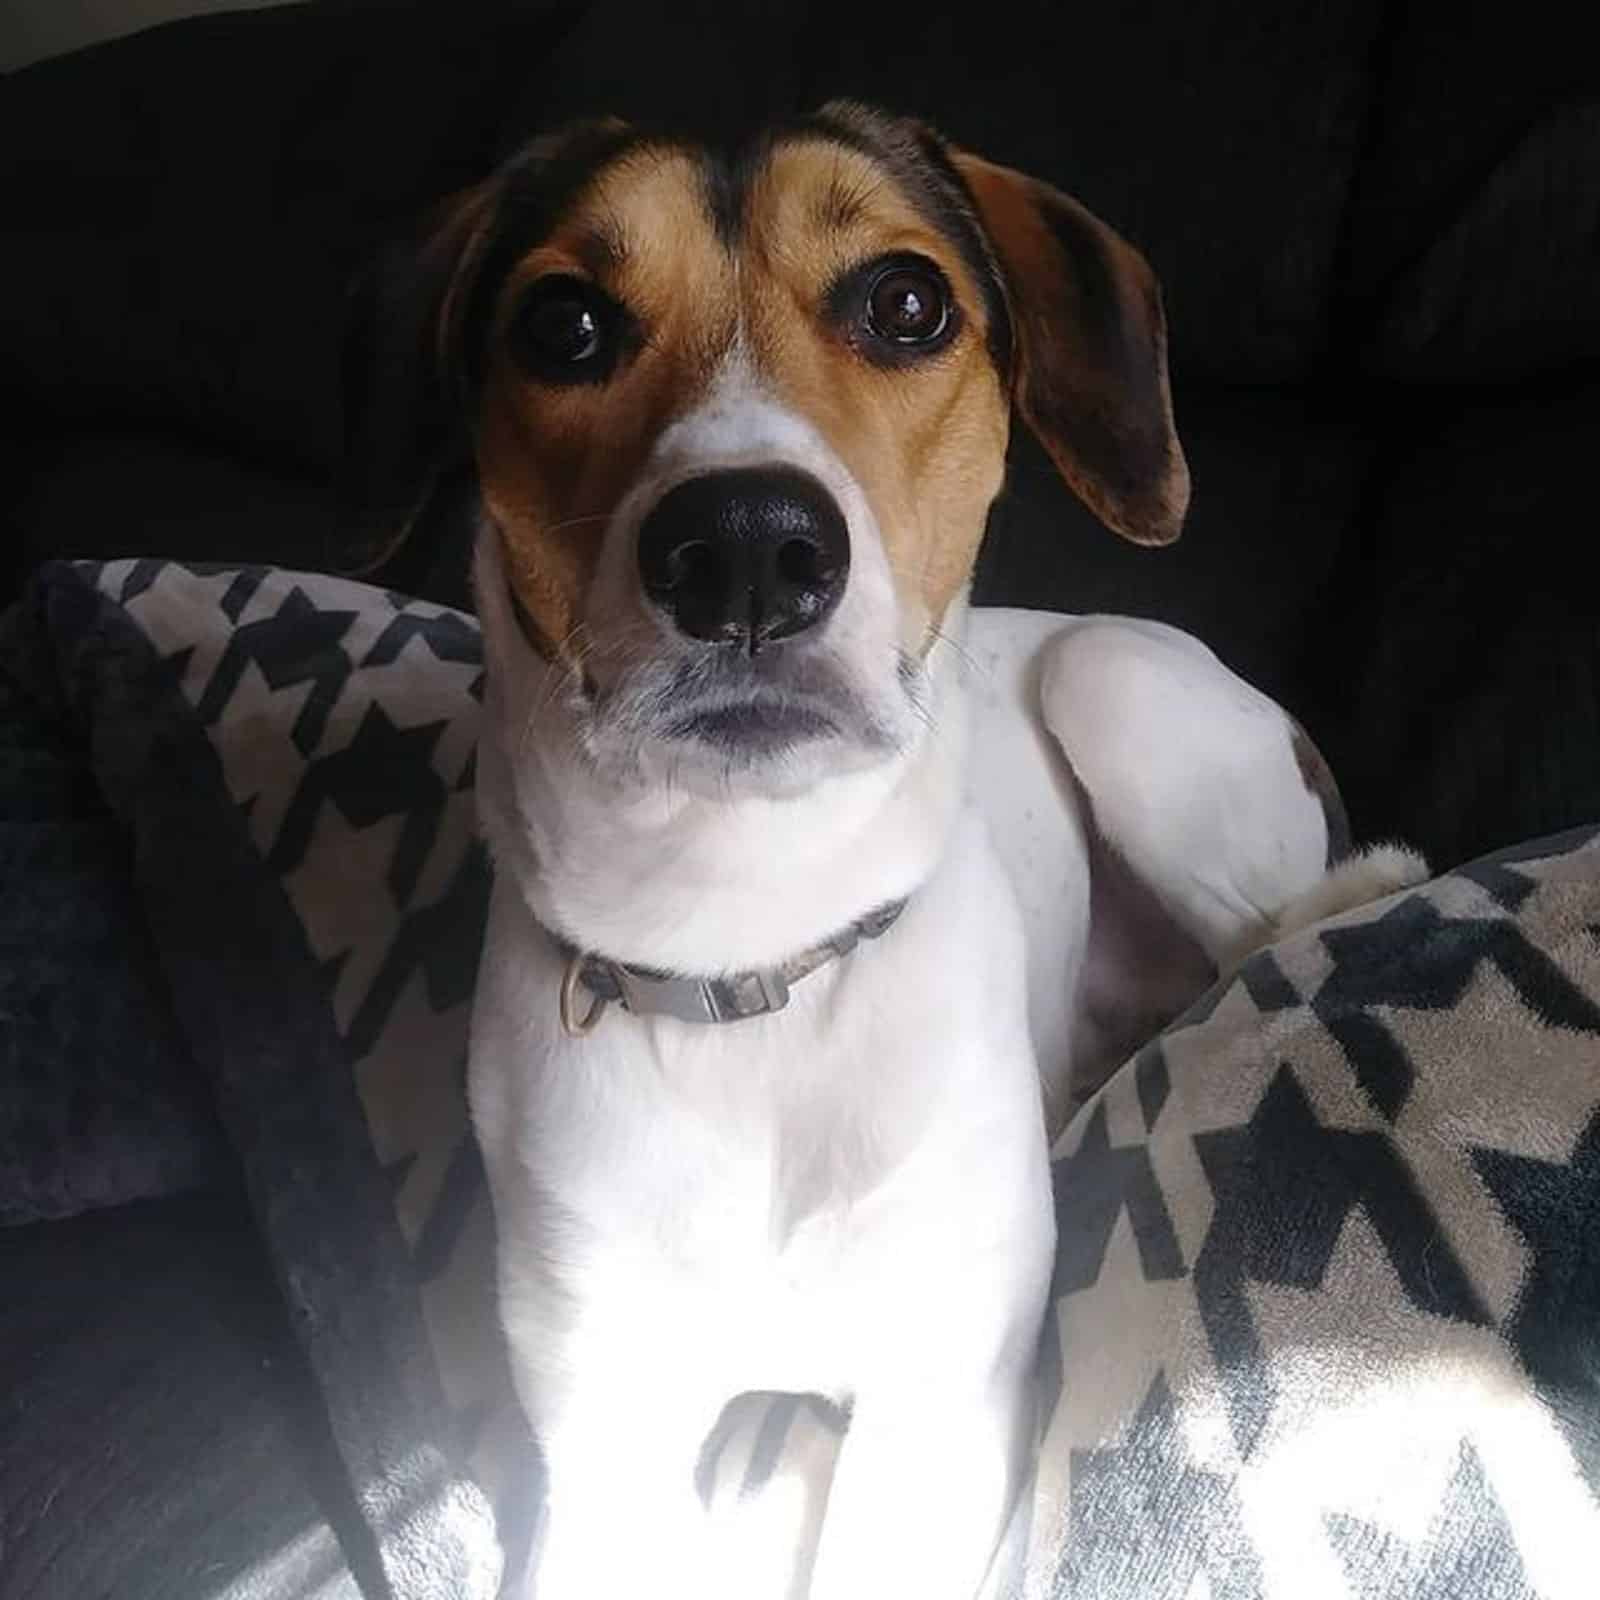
[840, 205]
[843, 200]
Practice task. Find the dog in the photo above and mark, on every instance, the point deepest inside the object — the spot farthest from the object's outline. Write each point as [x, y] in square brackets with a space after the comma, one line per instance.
[820, 894]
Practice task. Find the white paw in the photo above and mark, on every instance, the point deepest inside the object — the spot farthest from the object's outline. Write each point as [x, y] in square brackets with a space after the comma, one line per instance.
[1370, 874]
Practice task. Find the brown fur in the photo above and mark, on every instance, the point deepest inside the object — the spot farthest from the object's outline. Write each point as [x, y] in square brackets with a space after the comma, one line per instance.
[927, 442]
[1319, 781]
[925, 439]
[1092, 369]
[554, 462]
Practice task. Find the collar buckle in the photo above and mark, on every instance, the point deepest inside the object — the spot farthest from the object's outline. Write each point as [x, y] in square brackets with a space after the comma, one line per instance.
[732, 999]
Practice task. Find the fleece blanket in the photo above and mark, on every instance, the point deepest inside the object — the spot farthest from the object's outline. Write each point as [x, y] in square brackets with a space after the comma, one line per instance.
[1326, 1313]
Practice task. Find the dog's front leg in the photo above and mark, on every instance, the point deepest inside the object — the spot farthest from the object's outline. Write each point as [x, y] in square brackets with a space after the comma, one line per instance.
[925, 1480]
[623, 1516]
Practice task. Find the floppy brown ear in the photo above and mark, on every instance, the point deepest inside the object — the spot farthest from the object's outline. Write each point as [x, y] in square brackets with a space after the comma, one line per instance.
[406, 445]
[1090, 351]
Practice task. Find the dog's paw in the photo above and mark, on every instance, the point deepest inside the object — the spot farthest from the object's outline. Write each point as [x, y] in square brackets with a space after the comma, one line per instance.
[1368, 875]
[1371, 874]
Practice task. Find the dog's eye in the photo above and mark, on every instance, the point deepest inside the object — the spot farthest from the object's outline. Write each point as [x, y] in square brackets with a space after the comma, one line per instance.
[908, 304]
[894, 310]
[565, 331]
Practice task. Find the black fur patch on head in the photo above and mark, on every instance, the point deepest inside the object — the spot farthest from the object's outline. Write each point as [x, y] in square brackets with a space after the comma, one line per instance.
[728, 174]
[536, 190]
[727, 137]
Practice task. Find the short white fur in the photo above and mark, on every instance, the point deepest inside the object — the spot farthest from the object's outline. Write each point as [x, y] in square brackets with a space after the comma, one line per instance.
[851, 1196]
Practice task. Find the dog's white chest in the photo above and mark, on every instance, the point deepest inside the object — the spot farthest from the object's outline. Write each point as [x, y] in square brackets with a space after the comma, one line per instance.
[777, 1193]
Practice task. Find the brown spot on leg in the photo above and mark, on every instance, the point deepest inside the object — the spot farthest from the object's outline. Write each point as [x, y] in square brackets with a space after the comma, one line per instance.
[1319, 781]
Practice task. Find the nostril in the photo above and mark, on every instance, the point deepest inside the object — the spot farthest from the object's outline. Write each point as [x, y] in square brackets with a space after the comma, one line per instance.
[675, 565]
[690, 565]
[800, 562]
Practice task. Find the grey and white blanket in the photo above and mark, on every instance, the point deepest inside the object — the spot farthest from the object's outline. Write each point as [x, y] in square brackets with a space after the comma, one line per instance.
[1326, 1317]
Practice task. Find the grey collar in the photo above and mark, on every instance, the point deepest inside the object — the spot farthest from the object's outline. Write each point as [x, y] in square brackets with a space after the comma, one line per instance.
[732, 998]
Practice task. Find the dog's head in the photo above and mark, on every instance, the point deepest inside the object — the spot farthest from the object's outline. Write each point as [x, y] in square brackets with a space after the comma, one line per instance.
[736, 420]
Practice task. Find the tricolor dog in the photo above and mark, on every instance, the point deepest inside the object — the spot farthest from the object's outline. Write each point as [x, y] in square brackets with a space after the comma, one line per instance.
[815, 887]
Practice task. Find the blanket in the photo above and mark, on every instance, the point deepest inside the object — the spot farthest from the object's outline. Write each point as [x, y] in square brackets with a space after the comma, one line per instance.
[1326, 1312]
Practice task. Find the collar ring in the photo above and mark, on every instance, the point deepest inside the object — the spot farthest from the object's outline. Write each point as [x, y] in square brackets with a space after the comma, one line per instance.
[576, 1026]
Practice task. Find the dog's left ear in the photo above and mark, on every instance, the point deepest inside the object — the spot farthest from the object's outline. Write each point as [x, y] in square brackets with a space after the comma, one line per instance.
[405, 420]
[1089, 352]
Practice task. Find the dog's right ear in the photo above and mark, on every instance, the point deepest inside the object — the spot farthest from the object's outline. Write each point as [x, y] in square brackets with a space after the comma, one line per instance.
[407, 448]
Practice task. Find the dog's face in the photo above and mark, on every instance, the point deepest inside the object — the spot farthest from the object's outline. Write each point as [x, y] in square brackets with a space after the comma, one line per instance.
[736, 421]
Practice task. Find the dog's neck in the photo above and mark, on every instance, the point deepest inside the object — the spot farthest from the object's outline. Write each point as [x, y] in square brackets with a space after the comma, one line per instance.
[663, 878]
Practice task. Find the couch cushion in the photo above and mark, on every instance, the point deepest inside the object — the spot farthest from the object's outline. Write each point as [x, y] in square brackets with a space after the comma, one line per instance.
[186, 207]
[100, 1098]
[1278, 485]
[1474, 228]
[160, 1438]
[1455, 666]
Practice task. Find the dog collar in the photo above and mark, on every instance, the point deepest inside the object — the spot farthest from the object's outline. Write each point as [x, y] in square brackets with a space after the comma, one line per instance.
[732, 998]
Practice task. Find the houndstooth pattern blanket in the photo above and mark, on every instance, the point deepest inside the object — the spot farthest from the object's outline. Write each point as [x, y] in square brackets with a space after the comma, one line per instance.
[1326, 1313]
[1327, 1295]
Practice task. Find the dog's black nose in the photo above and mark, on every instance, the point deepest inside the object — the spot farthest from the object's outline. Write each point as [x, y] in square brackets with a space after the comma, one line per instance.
[745, 555]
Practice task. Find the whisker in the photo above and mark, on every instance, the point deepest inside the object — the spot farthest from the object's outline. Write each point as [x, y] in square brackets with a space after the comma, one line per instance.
[968, 660]
[576, 522]
[913, 579]
[570, 665]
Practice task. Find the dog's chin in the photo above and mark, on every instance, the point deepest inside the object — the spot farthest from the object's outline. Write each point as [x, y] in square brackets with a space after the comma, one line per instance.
[765, 747]
[760, 748]
[725, 727]
[753, 730]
